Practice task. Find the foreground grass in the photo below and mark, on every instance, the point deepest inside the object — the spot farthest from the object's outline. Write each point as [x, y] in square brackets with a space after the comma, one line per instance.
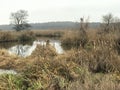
[63, 72]
[95, 66]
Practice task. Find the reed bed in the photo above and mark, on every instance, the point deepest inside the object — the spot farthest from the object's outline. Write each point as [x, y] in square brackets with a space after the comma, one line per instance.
[93, 66]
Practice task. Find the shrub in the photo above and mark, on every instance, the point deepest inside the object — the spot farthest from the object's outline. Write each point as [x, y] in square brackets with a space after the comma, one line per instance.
[74, 39]
[26, 36]
[6, 36]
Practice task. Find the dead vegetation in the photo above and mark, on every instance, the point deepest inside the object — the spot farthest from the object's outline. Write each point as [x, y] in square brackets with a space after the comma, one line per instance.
[94, 65]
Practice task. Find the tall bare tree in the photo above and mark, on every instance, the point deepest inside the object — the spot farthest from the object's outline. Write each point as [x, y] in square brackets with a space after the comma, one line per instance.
[19, 19]
[83, 35]
[107, 22]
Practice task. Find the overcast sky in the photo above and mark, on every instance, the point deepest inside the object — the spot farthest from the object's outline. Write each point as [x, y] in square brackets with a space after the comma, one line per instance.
[59, 10]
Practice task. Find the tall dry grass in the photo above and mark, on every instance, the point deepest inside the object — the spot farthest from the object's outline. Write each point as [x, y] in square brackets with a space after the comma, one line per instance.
[96, 66]
[73, 39]
[25, 35]
[49, 33]
[13, 36]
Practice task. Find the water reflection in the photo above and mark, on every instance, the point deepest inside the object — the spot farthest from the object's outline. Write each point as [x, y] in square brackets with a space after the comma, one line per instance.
[22, 50]
[26, 50]
[8, 45]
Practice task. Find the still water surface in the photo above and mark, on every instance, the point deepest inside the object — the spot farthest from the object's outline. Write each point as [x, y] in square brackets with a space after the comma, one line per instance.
[26, 50]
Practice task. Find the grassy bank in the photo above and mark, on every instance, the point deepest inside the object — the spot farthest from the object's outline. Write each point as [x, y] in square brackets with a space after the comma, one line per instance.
[49, 33]
[22, 36]
[13, 36]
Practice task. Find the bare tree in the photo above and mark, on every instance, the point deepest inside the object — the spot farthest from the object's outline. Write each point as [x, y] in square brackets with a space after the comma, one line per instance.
[84, 24]
[110, 23]
[107, 22]
[116, 24]
[82, 31]
[19, 19]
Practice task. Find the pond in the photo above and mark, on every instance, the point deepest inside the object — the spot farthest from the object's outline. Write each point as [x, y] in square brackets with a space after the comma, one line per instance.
[25, 50]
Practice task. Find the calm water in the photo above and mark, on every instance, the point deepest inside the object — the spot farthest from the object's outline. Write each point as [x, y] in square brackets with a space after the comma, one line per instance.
[26, 50]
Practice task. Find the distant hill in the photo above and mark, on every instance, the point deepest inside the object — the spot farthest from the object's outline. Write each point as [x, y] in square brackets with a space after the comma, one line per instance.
[52, 25]
[6, 27]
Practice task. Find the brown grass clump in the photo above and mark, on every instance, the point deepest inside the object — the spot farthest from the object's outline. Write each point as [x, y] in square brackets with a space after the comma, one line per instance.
[117, 45]
[53, 74]
[49, 33]
[100, 54]
[6, 60]
[12, 36]
[104, 60]
[74, 39]
[7, 36]
[96, 82]
[44, 52]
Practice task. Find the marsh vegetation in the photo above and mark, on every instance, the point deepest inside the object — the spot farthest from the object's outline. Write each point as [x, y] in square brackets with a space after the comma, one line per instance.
[91, 60]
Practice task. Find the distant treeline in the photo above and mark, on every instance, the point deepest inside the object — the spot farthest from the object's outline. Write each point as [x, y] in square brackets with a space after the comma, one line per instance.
[53, 25]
